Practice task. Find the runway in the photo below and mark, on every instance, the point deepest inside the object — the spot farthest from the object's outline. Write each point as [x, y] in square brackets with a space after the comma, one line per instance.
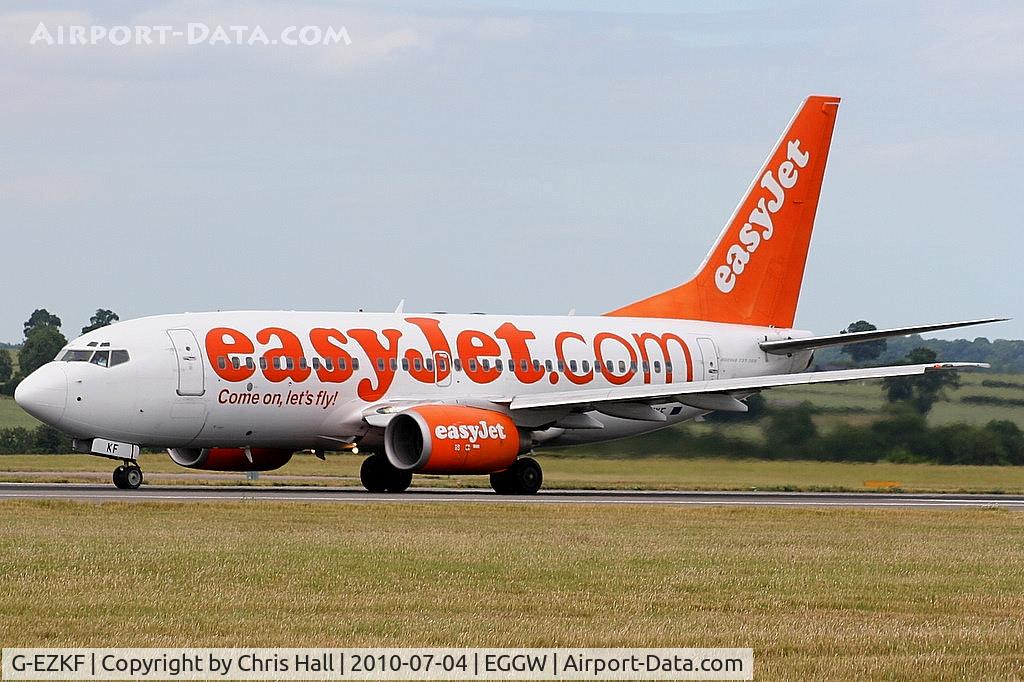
[199, 494]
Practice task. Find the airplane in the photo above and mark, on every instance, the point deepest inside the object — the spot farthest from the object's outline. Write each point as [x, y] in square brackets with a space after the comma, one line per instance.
[466, 394]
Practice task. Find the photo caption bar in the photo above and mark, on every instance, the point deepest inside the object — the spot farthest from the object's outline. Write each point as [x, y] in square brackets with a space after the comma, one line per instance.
[377, 664]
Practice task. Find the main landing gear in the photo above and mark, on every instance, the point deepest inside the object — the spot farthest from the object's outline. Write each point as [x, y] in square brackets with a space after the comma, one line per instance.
[378, 476]
[524, 477]
[128, 476]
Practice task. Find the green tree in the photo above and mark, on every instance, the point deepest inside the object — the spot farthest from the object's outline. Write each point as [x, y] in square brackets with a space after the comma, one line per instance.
[102, 318]
[866, 350]
[40, 347]
[923, 391]
[6, 366]
[41, 318]
[791, 432]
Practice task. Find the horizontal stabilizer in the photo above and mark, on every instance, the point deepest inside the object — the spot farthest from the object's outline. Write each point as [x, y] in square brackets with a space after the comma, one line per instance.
[787, 346]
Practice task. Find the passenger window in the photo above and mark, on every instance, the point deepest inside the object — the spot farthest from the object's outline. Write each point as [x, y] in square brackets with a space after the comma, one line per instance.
[561, 365]
[101, 358]
[547, 365]
[632, 366]
[498, 365]
[405, 364]
[250, 364]
[472, 364]
[597, 367]
[572, 365]
[380, 364]
[222, 362]
[522, 365]
[316, 363]
[609, 365]
[355, 363]
[328, 365]
[342, 364]
[263, 363]
[118, 357]
[417, 364]
[442, 364]
[429, 364]
[622, 366]
[536, 365]
[302, 363]
[657, 366]
[290, 363]
[586, 366]
[235, 363]
[668, 366]
[457, 363]
[394, 364]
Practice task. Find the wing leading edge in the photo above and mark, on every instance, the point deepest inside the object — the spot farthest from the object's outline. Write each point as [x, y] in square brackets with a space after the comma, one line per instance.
[725, 386]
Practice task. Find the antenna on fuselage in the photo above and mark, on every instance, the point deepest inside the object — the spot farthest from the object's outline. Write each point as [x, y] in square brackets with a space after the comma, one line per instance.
[401, 307]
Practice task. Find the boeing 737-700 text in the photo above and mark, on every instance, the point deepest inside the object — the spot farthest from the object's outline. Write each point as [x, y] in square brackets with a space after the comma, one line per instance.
[465, 394]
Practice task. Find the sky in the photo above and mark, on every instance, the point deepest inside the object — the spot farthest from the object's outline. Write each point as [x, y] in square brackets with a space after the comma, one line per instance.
[503, 156]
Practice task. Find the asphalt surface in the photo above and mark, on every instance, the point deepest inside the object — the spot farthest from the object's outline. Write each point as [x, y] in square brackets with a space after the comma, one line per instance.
[196, 493]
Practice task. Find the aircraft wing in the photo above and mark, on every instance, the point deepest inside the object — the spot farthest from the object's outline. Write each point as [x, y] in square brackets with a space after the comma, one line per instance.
[723, 387]
[786, 346]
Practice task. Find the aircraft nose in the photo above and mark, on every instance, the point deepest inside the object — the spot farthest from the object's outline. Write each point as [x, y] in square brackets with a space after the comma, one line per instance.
[44, 393]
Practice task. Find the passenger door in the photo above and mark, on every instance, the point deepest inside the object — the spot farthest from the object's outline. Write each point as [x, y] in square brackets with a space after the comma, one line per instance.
[190, 362]
[710, 354]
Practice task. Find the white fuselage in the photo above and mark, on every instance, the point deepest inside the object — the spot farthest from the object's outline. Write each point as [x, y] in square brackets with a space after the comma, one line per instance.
[307, 380]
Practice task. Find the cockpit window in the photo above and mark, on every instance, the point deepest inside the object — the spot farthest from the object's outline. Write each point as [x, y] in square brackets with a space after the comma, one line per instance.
[101, 358]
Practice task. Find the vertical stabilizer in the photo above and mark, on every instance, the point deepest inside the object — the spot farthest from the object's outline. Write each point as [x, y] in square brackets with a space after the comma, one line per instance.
[754, 271]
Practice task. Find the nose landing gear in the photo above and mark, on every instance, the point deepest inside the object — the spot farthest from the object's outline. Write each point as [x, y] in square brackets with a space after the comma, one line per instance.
[128, 476]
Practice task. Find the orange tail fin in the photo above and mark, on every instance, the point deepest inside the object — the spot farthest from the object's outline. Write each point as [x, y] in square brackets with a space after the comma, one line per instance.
[753, 273]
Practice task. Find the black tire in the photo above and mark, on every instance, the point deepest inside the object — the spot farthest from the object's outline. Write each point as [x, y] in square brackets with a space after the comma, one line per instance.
[132, 477]
[501, 483]
[527, 476]
[398, 480]
[373, 474]
[119, 477]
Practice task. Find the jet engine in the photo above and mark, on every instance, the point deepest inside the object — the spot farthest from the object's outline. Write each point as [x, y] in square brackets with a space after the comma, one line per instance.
[230, 459]
[453, 439]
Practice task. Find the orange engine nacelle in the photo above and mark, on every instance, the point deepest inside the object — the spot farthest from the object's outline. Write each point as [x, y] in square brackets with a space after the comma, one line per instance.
[451, 439]
[230, 459]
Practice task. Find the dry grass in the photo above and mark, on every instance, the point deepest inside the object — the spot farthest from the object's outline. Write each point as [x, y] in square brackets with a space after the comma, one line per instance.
[831, 594]
[568, 472]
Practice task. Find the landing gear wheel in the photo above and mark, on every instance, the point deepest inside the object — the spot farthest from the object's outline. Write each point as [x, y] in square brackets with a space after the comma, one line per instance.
[119, 477]
[378, 476]
[502, 484]
[399, 481]
[524, 477]
[132, 477]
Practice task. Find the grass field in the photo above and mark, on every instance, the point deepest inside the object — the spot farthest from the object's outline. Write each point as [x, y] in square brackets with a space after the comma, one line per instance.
[831, 594]
[864, 401]
[652, 473]
[11, 415]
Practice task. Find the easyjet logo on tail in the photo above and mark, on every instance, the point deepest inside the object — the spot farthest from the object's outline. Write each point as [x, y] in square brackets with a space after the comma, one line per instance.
[759, 226]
